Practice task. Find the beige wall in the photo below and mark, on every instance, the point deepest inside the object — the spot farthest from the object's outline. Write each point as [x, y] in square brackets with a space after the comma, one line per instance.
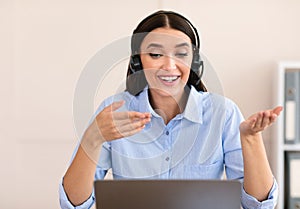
[46, 44]
[244, 40]
[7, 141]
[44, 47]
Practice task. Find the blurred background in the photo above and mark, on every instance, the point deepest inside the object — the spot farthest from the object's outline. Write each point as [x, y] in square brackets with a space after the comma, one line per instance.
[45, 45]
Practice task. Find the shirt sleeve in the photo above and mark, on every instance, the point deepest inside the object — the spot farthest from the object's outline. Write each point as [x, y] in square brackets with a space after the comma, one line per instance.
[66, 204]
[249, 202]
[104, 164]
[233, 159]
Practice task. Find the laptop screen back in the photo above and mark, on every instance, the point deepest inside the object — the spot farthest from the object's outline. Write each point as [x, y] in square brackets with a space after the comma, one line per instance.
[167, 194]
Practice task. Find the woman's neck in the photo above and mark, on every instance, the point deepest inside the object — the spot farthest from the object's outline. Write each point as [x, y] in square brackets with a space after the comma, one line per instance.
[168, 106]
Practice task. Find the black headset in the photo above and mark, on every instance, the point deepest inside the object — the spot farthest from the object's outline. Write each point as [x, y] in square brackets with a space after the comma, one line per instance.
[197, 66]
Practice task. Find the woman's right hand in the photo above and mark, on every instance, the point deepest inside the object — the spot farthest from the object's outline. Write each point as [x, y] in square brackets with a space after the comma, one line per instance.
[110, 125]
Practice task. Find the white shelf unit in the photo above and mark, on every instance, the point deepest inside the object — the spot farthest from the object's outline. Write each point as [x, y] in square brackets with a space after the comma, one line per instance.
[280, 147]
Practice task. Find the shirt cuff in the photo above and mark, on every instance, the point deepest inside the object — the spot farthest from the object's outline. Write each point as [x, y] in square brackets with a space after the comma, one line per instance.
[66, 204]
[250, 202]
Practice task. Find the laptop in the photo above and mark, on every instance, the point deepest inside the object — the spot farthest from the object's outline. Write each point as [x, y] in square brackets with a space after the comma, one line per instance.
[167, 194]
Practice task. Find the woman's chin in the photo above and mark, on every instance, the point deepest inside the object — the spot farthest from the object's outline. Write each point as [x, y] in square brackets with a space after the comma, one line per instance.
[167, 92]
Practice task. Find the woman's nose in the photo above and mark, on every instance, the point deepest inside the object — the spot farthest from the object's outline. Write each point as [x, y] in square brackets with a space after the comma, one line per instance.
[169, 63]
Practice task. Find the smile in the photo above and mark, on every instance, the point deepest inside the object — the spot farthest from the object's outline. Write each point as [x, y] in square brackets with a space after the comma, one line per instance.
[169, 78]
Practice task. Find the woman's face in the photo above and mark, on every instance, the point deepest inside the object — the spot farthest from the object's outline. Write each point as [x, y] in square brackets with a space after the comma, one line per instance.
[166, 56]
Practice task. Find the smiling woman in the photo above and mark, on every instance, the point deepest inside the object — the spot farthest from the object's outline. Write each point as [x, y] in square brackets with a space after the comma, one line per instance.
[164, 26]
[165, 125]
[167, 60]
[167, 55]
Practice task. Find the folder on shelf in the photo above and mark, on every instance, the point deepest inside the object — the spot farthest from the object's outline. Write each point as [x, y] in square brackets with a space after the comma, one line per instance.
[292, 107]
[292, 180]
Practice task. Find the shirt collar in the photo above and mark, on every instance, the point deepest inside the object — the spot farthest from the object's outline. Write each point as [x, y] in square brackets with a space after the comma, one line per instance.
[144, 104]
[193, 110]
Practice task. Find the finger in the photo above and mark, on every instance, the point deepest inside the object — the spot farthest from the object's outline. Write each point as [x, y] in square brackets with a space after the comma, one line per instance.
[258, 122]
[127, 131]
[252, 122]
[273, 118]
[266, 120]
[132, 132]
[122, 119]
[138, 115]
[117, 131]
[130, 115]
[114, 106]
[133, 125]
[277, 110]
[134, 128]
[147, 114]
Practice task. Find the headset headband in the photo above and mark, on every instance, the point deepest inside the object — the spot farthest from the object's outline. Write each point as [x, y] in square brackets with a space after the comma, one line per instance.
[195, 32]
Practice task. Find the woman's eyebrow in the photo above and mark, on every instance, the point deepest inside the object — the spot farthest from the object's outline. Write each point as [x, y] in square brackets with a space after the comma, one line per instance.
[182, 44]
[155, 45]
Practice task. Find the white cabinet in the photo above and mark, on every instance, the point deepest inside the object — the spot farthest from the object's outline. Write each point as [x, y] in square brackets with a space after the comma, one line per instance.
[286, 130]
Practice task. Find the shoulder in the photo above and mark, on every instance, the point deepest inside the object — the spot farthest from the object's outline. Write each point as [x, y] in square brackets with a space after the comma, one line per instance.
[216, 100]
[125, 95]
[219, 104]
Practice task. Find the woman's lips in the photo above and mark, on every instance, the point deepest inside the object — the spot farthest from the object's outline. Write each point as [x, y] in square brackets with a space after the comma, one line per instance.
[169, 80]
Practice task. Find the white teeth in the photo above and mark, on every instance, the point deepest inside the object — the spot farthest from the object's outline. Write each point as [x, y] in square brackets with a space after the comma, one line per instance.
[169, 78]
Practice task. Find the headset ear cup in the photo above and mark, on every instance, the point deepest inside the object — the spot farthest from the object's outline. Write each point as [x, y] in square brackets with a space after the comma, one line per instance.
[135, 63]
[197, 62]
[197, 65]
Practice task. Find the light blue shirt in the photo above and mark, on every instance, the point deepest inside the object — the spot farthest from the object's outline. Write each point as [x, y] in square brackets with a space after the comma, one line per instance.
[200, 143]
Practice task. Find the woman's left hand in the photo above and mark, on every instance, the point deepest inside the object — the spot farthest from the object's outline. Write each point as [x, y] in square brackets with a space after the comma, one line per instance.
[259, 121]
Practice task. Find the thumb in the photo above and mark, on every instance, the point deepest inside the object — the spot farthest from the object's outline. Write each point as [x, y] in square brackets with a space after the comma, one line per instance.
[277, 110]
[116, 105]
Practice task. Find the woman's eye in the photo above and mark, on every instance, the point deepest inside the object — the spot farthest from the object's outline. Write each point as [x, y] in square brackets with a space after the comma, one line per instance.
[181, 54]
[155, 55]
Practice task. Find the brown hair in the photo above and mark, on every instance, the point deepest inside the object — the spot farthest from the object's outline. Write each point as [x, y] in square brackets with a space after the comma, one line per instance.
[136, 80]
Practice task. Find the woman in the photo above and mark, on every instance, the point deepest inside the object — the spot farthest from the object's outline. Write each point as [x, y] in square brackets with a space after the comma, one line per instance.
[166, 125]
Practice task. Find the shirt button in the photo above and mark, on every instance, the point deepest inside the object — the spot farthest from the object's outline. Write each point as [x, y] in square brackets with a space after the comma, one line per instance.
[167, 133]
[167, 158]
